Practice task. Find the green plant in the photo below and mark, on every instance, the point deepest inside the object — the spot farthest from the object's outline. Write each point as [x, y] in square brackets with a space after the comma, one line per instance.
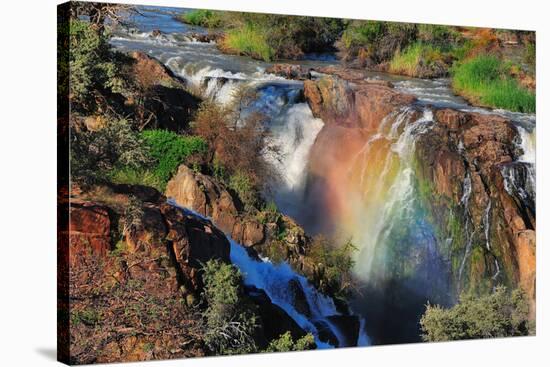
[495, 315]
[169, 150]
[230, 320]
[88, 317]
[407, 61]
[92, 65]
[486, 79]
[337, 264]
[248, 40]
[203, 18]
[285, 343]
[243, 186]
[95, 153]
[136, 176]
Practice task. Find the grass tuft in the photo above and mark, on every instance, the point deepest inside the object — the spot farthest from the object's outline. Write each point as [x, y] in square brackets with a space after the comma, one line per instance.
[486, 80]
[248, 40]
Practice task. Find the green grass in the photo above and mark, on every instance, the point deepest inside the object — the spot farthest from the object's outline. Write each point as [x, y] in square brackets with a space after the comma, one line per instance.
[133, 176]
[486, 80]
[248, 40]
[406, 62]
[202, 18]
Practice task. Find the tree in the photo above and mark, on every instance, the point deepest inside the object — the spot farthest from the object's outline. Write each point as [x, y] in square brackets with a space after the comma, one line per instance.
[99, 13]
[285, 343]
[496, 315]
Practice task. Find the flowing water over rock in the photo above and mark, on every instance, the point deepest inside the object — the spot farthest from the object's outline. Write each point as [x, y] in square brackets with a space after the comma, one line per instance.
[367, 189]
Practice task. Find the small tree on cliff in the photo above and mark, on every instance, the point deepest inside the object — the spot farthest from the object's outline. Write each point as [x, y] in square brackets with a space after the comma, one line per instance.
[230, 320]
[499, 314]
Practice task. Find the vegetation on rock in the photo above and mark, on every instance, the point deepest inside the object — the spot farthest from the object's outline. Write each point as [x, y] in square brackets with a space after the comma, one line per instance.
[230, 319]
[285, 343]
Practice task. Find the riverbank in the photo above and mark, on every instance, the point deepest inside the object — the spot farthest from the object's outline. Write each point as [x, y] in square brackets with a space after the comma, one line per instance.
[490, 68]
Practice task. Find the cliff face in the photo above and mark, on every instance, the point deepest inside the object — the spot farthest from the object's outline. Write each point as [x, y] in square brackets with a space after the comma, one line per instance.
[467, 178]
[135, 278]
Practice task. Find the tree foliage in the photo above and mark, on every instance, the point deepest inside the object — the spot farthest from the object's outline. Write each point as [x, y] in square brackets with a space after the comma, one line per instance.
[95, 153]
[496, 315]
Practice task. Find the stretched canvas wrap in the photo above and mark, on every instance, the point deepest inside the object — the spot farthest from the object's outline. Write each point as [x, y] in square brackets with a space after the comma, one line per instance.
[247, 183]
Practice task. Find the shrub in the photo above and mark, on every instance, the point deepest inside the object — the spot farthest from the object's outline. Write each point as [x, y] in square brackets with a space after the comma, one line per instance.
[95, 153]
[285, 343]
[235, 146]
[248, 40]
[337, 263]
[92, 66]
[243, 186]
[374, 41]
[485, 79]
[169, 150]
[230, 320]
[202, 18]
[499, 314]
[407, 61]
[440, 35]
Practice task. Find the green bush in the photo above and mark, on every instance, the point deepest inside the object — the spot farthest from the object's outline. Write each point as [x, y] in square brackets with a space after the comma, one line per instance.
[202, 18]
[169, 150]
[485, 79]
[94, 154]
[496, 315]
[243, 186]
[136, 176]
[230, 320]
[285, 343]
[92, 66]
[337, 264]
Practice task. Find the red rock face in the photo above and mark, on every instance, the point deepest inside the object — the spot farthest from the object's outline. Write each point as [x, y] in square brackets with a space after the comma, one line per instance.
[459, 144]
[89, 230]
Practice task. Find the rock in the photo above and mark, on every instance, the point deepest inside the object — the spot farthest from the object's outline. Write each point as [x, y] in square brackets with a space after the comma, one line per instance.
[275, 321]
[289, 71]
[203, 195]
[348, 325]
[89, 231]
[299, 300]
[165, 102]
[362, 105]
[326, 334]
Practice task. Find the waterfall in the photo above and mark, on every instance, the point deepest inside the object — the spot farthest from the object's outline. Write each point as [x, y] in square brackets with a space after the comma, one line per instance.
[382, 195]
[293, 133]
[276, 281]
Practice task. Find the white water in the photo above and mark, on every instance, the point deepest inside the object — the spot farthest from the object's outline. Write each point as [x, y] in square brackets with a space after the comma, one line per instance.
[293, 133]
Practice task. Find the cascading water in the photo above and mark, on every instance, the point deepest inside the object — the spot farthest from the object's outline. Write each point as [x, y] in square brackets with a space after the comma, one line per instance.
[277, 280]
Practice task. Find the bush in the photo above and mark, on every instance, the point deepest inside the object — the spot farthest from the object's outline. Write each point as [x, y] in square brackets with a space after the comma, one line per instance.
[374, 41]
[202, 18]
[496, 315]
[486, 80]
[93, 68]
[169, 150]
[235, 147]
[230, 321]
[337, 264]
[136, 176]
[285, 343]
[243, 186]
[95, 153]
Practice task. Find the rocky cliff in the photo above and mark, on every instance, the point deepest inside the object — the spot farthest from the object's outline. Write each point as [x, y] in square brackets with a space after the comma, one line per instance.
[477, 193]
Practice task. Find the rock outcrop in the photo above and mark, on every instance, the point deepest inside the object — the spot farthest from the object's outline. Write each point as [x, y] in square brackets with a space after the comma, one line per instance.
[134, 279]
